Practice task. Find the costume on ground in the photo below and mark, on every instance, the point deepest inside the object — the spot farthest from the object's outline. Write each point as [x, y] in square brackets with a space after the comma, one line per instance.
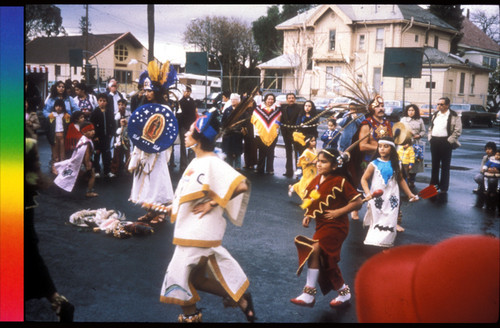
[309, 171]
[382, 212]
[335, 192]
[200, 239]
[68, 170]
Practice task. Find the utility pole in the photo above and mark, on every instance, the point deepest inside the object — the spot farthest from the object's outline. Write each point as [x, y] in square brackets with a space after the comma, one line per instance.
[87, 66]
[151, 32]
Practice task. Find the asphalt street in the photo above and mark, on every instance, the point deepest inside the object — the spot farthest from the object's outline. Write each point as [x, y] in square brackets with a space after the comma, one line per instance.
[119, 280]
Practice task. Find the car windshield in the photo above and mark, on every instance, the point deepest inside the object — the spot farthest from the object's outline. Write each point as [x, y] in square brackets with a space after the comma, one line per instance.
[391, 103]
[322, 101]
[459, 106]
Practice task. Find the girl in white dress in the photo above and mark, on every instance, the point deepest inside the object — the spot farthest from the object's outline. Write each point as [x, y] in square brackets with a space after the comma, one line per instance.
[384, 172]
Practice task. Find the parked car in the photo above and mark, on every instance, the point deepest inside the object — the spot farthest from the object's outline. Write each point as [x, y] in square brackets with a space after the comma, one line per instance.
[321, 103]
[394, 109]
[281, 100]
[425, 113]
[473, 114]
[213, 99]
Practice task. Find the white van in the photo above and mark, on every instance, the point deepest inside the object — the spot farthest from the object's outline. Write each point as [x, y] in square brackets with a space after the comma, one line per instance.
[198, 83]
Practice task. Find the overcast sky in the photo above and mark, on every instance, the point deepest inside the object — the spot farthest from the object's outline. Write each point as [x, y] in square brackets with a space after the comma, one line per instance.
[170, 21]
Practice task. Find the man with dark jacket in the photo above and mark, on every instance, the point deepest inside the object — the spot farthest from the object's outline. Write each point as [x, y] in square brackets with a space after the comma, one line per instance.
[444, 130]
[104, 123]
[186, 117]
[289, 113]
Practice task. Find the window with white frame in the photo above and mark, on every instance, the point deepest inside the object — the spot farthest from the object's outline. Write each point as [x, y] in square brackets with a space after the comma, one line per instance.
[337, 71]
[309, 58]
[462, 83]
[377, 76]
[472, 83]
[379, 41]
[407, 82]
[121, 52]
[329, 78]
[361, 42]
[331, 44]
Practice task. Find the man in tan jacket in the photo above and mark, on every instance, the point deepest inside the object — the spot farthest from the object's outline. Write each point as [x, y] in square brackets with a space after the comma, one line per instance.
[444, 130]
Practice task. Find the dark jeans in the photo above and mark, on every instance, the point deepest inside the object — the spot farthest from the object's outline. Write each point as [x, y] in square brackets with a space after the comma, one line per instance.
[105, 154]
[185, 159]
[265, 156]
[289, 151]
[441, 158]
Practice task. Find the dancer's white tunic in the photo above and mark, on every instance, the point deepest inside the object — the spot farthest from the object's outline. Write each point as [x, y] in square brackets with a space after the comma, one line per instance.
[151, 187]
[382, 212]
[199, 240]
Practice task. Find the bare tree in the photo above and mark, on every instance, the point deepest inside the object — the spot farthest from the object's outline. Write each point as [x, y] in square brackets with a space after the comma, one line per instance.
[301, 52]
[489, 24]
[230, 40]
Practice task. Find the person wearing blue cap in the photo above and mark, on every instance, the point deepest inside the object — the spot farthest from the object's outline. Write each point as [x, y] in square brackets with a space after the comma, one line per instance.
[208, 191]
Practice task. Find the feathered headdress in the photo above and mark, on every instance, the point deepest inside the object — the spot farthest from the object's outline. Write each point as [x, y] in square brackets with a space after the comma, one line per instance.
[157, 77]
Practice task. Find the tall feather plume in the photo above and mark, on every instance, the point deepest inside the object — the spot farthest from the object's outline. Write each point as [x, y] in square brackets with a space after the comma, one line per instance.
[360, 94]
[153, 71]
[165, 68]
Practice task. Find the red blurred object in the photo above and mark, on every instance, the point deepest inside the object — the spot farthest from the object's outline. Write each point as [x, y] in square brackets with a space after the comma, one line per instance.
[428, 192]
[455, 280]
[377, 193]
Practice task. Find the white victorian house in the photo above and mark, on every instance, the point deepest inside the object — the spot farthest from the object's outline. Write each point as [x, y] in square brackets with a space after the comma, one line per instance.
[332, 42]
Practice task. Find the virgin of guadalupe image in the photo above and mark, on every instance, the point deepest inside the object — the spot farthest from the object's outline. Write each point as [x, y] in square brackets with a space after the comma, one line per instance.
[153, 128]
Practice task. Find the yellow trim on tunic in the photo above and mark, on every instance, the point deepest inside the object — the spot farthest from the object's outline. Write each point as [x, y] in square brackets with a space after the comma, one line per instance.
[327, 200]
[206, 191]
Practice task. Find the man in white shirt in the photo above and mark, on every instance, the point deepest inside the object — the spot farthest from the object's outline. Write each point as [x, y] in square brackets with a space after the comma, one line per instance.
[114, 95]
[444, 130]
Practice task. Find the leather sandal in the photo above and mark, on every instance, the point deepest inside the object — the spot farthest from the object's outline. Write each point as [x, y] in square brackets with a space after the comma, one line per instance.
[91, 193]
[195, 317]
[308, 290]
[249, 308]
[342, 293]
[158, 219]
[63, 308]
[146, 217]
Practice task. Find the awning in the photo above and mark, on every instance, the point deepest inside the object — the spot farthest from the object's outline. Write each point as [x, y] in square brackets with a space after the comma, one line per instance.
[35, 69]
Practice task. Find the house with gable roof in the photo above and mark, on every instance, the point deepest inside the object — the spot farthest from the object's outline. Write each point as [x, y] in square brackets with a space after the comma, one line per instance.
[109, 54]
[332, 42]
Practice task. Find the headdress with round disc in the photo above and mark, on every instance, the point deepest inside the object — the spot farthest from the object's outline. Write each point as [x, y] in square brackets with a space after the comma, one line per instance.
[153, 128]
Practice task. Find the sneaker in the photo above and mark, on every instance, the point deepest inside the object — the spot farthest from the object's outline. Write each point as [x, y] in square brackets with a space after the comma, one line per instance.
[290, 190]
[111, 175]
[97, 175]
